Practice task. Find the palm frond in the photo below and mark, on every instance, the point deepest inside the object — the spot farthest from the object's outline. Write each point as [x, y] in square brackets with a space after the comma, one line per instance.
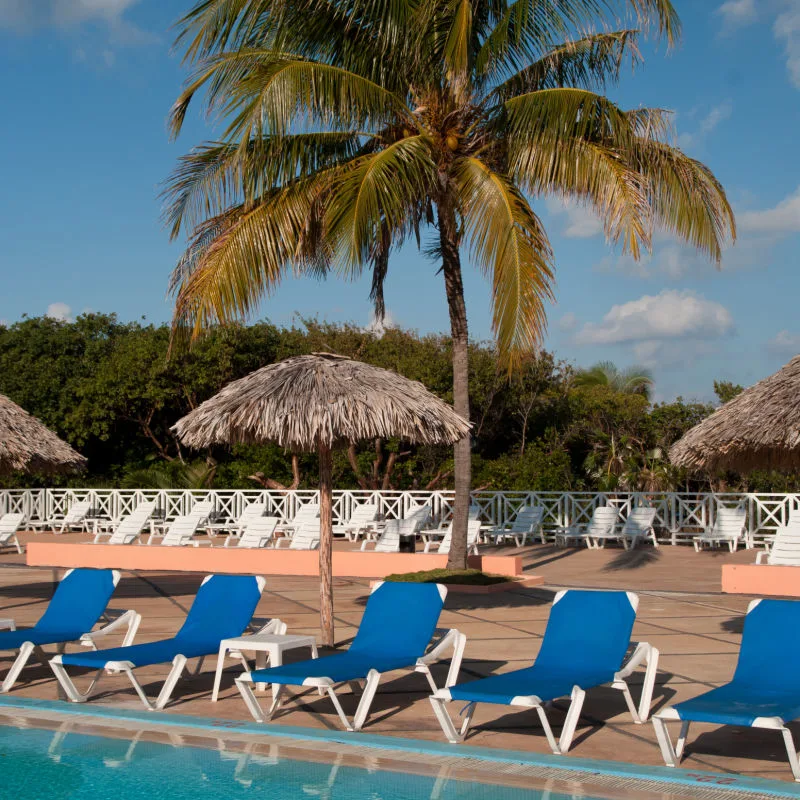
[685, 197]
[508, 240]
[457, 49]
[588, 63]
[383, 189]
[218, 175]
[266, 92]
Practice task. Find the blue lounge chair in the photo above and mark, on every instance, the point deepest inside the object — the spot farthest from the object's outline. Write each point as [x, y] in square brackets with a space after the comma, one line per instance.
[77, 605]
[223, 609]
[395, 632]
[585, 643]
[765, 690]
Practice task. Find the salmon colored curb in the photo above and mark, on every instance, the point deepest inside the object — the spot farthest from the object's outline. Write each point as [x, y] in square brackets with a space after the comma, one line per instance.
[235, 561]
[761, 580]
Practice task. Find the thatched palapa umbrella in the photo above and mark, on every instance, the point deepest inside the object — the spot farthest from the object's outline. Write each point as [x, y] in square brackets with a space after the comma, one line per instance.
[758, 429]
[26, 445]
[316, 403]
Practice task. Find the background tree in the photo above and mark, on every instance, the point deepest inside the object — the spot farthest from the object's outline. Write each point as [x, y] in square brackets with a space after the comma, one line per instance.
[633, 380]
[348, 127]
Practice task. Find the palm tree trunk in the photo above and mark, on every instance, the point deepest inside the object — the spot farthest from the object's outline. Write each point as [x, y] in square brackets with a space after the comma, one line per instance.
[454, 287]
[326, 545]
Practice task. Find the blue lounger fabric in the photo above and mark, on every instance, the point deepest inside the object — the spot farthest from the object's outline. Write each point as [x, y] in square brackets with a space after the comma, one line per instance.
[766, 682]
[587, 637]
[222, 609]
[78, 603]
[397, 626]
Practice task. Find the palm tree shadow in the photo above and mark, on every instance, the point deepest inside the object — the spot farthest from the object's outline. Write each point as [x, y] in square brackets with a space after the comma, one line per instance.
[635, 558]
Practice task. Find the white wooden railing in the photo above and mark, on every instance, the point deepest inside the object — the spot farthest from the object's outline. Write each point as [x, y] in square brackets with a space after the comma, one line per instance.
[678, 517]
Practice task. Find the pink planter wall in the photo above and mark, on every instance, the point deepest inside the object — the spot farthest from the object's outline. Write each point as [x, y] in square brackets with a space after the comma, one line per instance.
[761, 580]
[248, 562]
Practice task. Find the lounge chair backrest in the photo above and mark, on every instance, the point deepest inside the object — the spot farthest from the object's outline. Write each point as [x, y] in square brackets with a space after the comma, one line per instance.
[79, 601]
[222, 609]
[363, 514]
[603, 519]
[389, 540]
[9, 523]
[597, 625]
[528, 517]
[473, 531]
[770, 647]
[306, 537]
[252, 511]
[134, 522]
[202, 508]
[417, 517]
[258, 531]
[181, 530]
[399, 619]
[475, 511]
[76, 512]
[729, 523]
[639, 521]
[786, 547]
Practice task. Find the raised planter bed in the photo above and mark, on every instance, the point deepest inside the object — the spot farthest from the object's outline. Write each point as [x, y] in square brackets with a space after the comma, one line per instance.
[761, 580]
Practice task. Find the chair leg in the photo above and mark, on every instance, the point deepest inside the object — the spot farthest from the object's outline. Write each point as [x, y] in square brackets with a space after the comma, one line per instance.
[246, 690]
[791, 752]
[373, 679]
[571, 722]
[178, 664]
[69, 687]
[448, 728]
[671, 758]
[25, 652]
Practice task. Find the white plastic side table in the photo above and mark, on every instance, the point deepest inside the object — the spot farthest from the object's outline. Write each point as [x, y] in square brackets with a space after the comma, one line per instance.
[262, 644]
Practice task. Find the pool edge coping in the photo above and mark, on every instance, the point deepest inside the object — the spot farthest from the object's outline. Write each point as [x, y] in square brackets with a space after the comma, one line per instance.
[764, 787]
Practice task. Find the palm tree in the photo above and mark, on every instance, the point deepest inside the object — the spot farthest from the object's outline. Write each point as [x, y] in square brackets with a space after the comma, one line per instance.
[633, 380]
[348, 126]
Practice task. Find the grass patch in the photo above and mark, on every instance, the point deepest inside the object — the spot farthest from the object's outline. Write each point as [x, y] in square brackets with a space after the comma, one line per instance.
[462, 577]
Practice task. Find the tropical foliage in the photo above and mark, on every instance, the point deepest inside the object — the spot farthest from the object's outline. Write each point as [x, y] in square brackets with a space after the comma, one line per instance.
[348, 127]
[108, 388]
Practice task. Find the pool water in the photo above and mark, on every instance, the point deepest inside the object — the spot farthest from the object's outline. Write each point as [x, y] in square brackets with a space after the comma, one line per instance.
[39, 764]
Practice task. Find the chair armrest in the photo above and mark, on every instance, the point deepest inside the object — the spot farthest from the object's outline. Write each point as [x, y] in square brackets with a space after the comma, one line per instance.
[643, 653]
[452, 639]
[8, 625]
[273, 625]
[130, 619]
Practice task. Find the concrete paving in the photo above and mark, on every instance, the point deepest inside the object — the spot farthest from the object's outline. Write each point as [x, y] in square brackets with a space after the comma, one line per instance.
[682, 612]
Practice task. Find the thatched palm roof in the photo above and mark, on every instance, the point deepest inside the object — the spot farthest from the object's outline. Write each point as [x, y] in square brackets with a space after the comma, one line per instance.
[27, 445]
[758, 429]
[321, 399]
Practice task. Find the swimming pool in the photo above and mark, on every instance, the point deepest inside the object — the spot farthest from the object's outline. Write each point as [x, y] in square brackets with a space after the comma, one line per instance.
[54, 750]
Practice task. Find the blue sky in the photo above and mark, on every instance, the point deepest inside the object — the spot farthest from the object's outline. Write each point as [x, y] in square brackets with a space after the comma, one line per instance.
[87, 87]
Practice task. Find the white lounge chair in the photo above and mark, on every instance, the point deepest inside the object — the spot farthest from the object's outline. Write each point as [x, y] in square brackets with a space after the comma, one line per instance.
[306, 537]
[729, 528]
[388, 540]
[130, 528]
[181, 531]
[259, 532]
[75, 517]
[638, 525]
[307, 513]
[361, 520]
[785, 547]
[527, 523]
[603, 522]
[200, 511]
[9, 525]
[251, 512]
[473, 531]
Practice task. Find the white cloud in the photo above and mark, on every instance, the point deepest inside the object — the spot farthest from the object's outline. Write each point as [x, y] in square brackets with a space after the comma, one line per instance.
[59, 311]
[785, 342]
[65, 15]
[786, 27]
[783, 218]
[671, 314]
[568, 322]
[708, 123]
[580, 221]
[736, 13]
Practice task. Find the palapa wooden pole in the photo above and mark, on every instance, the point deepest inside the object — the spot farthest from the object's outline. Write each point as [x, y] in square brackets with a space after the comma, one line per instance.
[326, 544]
